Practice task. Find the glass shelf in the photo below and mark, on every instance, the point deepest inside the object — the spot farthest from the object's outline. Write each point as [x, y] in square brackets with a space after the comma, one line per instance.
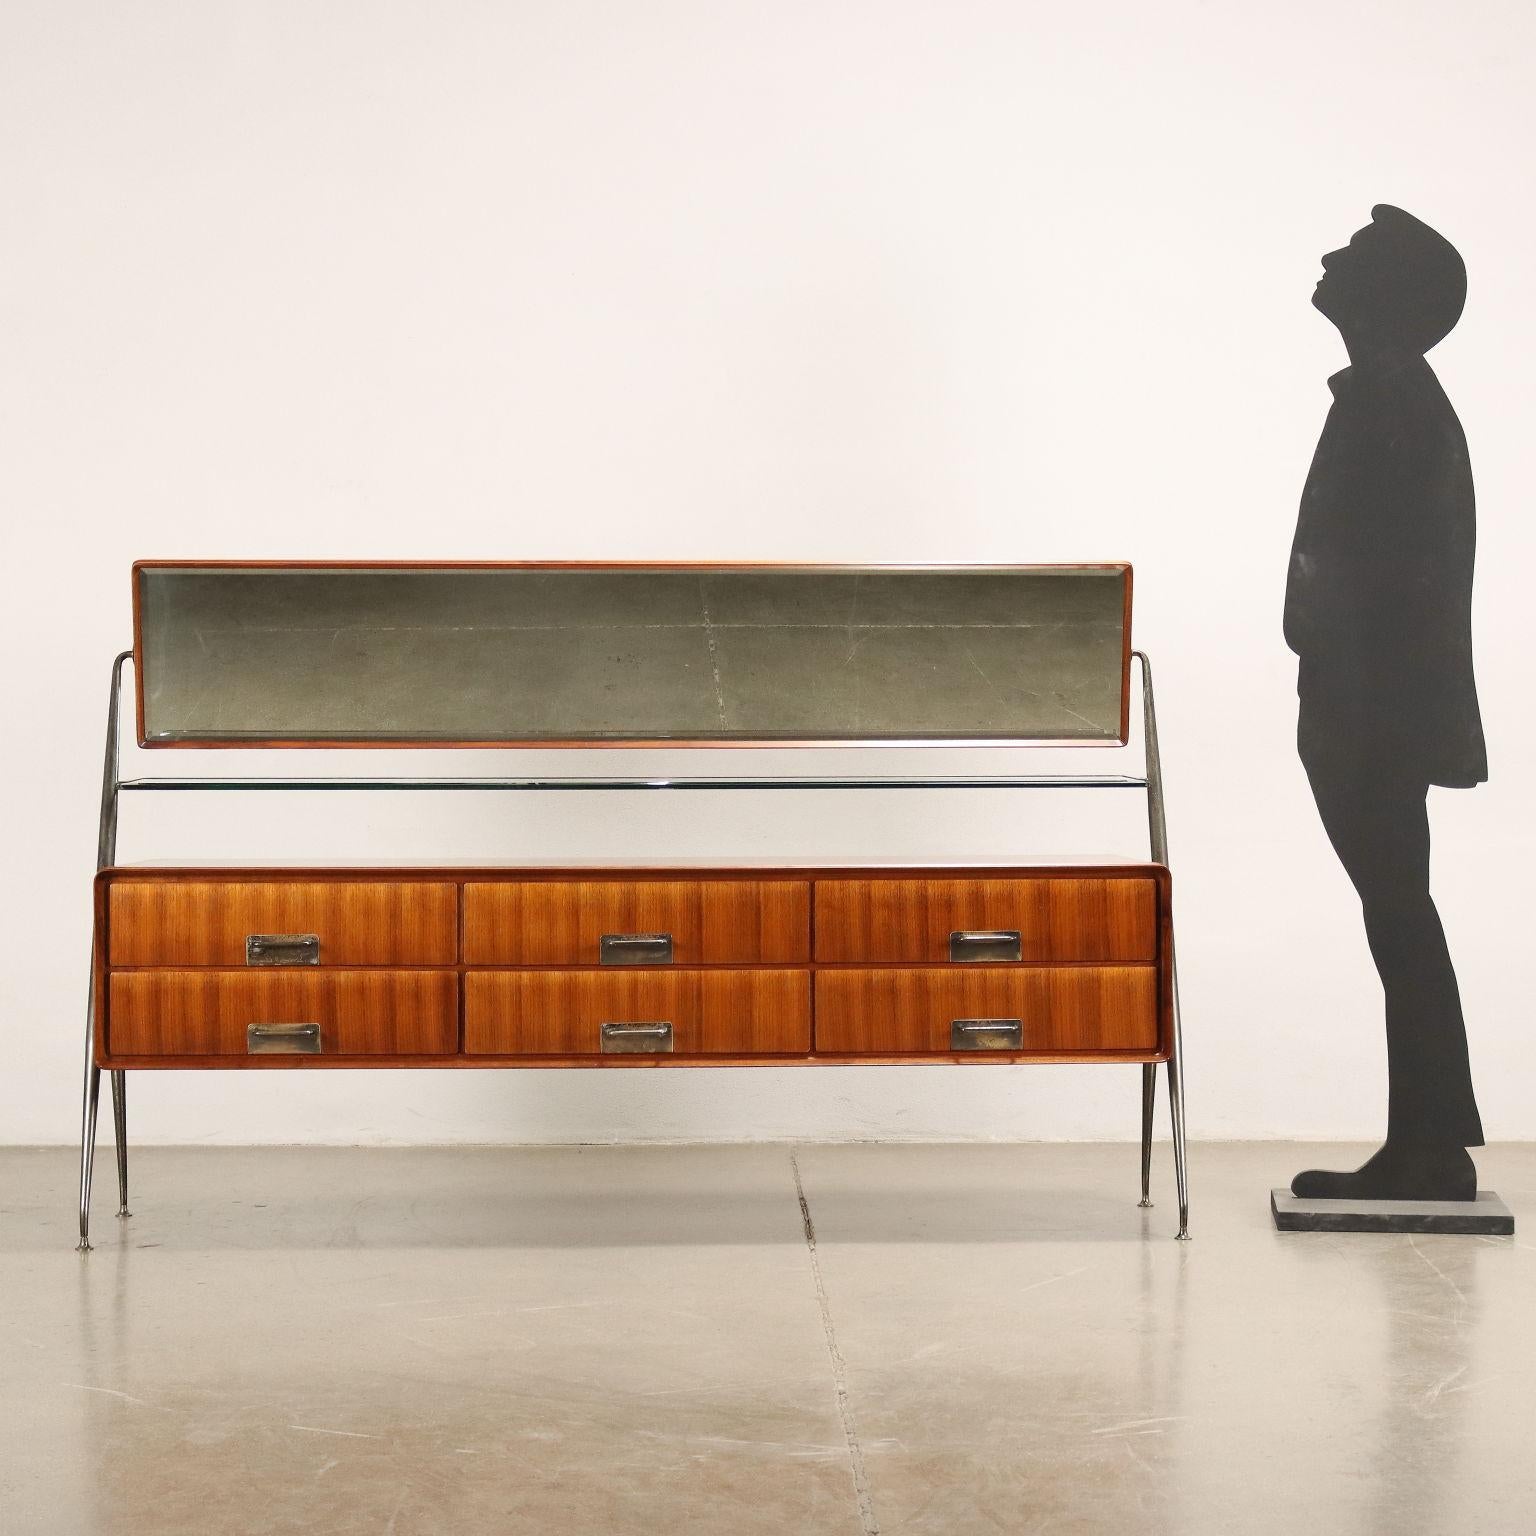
[934, 781]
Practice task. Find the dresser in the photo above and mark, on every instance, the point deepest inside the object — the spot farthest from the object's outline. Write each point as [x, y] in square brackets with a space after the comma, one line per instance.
[628, 965]
[631, 967]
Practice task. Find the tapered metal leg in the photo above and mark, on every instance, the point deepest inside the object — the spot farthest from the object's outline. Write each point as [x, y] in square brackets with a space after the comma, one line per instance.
[1148, 1104]
[1175, 1103]
[120, 1132]
[1180, 1172]
[88, 1150]
[106, 851]
[1157, 837]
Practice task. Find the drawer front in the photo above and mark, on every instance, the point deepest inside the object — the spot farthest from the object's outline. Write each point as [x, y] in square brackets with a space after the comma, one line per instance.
[1060, 1008]
[1056, 919]
[711, 1013]
[208, 922]
[210, 1013]
[709, 922]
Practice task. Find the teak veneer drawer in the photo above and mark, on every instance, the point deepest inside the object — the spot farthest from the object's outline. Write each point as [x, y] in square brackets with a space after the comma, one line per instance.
[562, 1013]
[1059, 1008]
[208, 922]
[709, 922]
[210, 1013]
[1056, 919]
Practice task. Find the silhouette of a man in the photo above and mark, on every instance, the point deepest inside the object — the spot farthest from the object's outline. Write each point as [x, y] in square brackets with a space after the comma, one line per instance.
[1378, 610]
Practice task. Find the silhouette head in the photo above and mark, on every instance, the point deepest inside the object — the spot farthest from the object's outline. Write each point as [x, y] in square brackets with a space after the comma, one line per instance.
[1397, 285]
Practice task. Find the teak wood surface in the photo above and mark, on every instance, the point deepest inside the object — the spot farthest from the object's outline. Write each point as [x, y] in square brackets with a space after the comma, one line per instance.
[162, 1028]
[562, 922]
[1075, 920]
[206, 922]
[360, 1013]
[1062, 1008]
[560, 1013]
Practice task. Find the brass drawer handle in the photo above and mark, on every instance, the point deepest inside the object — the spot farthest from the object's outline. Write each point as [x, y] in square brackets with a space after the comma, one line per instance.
[282, 949]
[986, 1034]
[636, 949]
[282, 1039]
[975, 944]
[636, 1039]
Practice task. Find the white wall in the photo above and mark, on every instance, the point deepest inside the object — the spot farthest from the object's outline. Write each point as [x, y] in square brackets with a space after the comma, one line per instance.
[889, 281]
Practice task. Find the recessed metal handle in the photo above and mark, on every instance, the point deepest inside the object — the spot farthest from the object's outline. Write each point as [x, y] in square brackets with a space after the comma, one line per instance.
[282, 949]
[975, 944]
[635, 1039]
[282, 1039]
[636, 949]
[986, 1034]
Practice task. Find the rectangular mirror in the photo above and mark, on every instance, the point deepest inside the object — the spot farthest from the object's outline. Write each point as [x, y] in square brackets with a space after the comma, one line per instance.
[549, 655]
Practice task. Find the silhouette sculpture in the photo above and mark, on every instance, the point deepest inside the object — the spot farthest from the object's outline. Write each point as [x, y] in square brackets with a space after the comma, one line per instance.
[1378, 611]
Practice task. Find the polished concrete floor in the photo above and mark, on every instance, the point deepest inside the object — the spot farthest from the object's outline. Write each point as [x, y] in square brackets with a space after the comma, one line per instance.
[743, 1339]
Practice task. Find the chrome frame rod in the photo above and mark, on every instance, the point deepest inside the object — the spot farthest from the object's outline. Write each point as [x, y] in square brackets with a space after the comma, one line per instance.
[106, 851]
[1157, 833]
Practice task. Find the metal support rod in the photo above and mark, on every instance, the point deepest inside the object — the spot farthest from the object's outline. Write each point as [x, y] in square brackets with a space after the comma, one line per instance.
[1176, 1111]
[87, 1148]
[1157, 825]
[106, 852]
[1148, 1105]
[1157, 833]
[120, 1134]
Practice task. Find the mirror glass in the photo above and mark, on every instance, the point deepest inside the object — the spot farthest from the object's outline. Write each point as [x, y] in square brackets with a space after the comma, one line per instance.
[481, 654]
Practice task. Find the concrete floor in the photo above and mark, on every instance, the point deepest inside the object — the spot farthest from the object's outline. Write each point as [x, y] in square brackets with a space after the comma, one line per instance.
[642, 1339]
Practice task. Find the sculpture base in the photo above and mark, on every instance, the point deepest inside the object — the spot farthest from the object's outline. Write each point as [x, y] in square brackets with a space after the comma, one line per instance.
[1486, 1216]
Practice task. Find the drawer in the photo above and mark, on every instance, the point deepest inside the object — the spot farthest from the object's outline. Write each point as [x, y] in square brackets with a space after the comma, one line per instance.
[1060, 1008]
[208, 1013]
[711, 1013]
[1056, 919]
[207, 922]
[708, 922]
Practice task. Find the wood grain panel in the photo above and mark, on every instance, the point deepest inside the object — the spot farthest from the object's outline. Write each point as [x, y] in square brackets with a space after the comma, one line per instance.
[561, 922]
[1065, 1008]
[711, 1012]
[1072, 920]
[361, 1013]
[205, 922]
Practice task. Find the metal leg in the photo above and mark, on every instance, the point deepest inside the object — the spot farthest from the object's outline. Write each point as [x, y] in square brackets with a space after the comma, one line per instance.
[120, 1132]
[106, 851]
[1176, 1110]
[88, 1149]
[1157, 836]
[1180, 1173]
[1148, 1103]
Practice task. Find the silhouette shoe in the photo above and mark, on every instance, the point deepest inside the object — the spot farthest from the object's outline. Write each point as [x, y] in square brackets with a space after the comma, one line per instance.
[1399, 1171]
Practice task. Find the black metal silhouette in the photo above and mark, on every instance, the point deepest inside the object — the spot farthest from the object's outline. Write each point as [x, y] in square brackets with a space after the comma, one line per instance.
[1378, 610]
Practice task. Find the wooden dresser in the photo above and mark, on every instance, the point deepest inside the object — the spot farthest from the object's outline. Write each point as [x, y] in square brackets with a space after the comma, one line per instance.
[623, 964]
[631, 967]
